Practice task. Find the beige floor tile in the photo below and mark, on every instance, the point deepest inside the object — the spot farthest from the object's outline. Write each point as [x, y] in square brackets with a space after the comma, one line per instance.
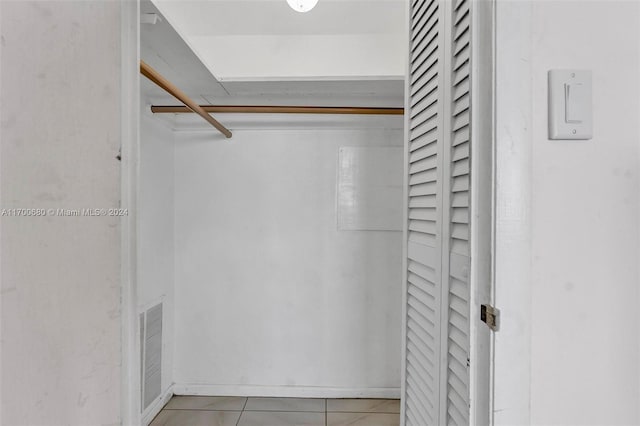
[196, 418]
[286, 404]
[229, 403]
[278, 418]
[362, 419]
[364, 405]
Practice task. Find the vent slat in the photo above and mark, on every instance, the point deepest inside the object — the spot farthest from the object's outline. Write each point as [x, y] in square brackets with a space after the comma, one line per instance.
[460, 215]
[426, 128]
[456, 384]
[454, 416]
[423, 75]
[460, 184]
[422, 153]
[428, 163]
[423, 177]
[461, 74]
[429, 188]
[421, 292]
[422, 324]
[418, 7]
[424, 139]
[418, 410]
[423, 115]
[425, 239]
[460, 168]
[460, 199]
[460, 231]
[461, 88]
[427, 30]
[461, 136]
[423, 367]
[423, 106]
[427, 88]
[460, 121]
[423, 226]
[461, 58]
[461, 104]
[428, 201]
[422, 214]
[460, 152]
[460, 247]
[421, 379]
[463, 20]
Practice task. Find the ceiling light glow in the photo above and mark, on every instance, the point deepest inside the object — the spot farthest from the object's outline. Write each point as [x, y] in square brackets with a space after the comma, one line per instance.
[302, 5]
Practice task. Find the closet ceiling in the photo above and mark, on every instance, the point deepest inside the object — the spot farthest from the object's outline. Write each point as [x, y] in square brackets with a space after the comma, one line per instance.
[343, 52]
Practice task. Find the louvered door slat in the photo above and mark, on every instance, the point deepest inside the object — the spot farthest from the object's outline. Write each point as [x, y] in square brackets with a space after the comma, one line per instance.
[454, 416]
[425, 40]
[438, 166]
[420, 381]
[423, 177]
[418, 414]
[422, 153]
[428, 88]
[424, 74]
[426, 129]
[422, 165]
[457, 371]
[428, 113]
[425, 60]
[460, 168]
[422, 107]
[431, 136]
[423, 214]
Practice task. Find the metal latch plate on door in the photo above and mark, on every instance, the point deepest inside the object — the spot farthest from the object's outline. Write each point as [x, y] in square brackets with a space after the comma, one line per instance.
[490, 316]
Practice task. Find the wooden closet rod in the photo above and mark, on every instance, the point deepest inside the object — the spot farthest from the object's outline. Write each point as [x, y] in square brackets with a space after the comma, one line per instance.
[282, 109]
[191, 106]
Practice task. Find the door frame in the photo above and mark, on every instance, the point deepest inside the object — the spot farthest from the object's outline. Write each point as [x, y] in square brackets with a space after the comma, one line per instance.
[482, 208]
[130, 412]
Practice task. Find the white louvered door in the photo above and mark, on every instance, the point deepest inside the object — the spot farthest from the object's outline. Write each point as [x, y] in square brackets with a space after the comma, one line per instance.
[436, 388]
[423, 275]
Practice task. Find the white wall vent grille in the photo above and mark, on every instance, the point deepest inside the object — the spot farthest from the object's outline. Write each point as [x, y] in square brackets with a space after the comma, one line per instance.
[151, 354]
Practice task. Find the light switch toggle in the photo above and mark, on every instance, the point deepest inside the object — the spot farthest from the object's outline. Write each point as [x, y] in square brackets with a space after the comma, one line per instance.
[576, 102]
[570, 104]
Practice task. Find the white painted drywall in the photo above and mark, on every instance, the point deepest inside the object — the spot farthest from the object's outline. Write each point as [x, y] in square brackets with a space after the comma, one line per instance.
[584, 218]
[270, 297]
[155, 229]
[61, 328]
[240, 40]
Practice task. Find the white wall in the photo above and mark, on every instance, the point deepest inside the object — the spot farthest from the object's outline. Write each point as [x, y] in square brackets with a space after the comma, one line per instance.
[271, 299]
[155, 229]
[258, 40]
[584, 217]
[60, 66]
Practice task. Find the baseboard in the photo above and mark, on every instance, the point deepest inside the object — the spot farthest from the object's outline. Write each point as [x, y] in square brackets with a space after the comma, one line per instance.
[284, 391]
[156, 406]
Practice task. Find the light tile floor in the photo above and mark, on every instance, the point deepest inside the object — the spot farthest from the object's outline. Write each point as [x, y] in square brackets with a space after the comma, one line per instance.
[240, 411]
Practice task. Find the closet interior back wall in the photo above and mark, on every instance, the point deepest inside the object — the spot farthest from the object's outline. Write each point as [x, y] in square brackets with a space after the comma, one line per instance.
[272, 297]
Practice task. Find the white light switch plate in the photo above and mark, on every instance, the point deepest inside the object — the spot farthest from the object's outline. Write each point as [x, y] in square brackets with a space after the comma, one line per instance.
[570, 104]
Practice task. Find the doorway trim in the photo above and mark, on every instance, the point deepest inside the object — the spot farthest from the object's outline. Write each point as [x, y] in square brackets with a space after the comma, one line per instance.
[482, 209]
[130, 398]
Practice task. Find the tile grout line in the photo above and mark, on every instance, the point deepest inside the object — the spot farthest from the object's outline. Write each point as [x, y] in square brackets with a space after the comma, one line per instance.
[326, 415]
[242, 411]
